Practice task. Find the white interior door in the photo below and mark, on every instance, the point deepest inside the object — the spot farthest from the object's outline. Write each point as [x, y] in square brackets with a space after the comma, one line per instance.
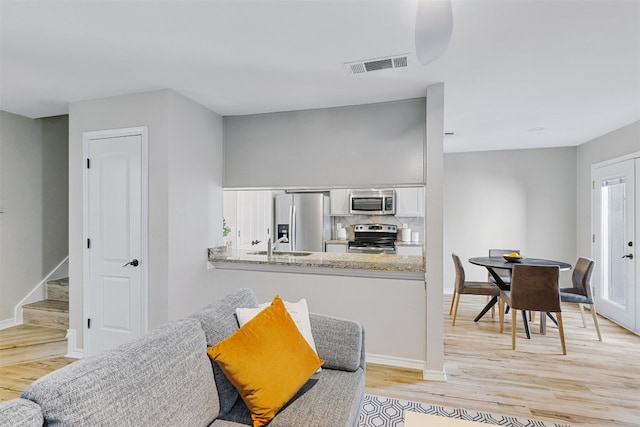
[254, 219]
[115, 224]
[614, 214]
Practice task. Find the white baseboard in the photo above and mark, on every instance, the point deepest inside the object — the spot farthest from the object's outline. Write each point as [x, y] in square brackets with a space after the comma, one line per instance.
[7, 323]
[428, 375]
[401, 362]
[72, 350]
[398, 362]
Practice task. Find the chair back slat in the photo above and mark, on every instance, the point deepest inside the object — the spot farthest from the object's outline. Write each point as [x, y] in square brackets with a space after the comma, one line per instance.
[581, 278]
[535, 288]
[460, 278]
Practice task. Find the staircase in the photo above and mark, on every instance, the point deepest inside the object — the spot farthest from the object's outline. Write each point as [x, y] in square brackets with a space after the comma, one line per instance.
[44, 329]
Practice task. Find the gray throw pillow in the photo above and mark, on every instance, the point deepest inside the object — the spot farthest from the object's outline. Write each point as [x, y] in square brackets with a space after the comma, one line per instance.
[219, 321]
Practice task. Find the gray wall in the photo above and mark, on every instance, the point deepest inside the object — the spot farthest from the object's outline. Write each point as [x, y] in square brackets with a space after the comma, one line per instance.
[33, 195]
[195, 202]
[185, 196]
[392, 311]
[344, 147]
[55, 191]
[618, 143]
[434, 230]
[522, 199]
[382, 144]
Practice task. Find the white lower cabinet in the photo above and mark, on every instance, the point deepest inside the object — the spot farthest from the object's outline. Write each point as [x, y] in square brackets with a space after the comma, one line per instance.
[409, 250]
[336, 248]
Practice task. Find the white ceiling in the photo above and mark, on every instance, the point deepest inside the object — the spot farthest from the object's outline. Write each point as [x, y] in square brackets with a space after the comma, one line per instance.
[517, 73]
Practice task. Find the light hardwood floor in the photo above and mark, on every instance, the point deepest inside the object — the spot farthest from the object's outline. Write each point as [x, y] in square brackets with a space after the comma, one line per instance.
[15, 378]
[595, 384]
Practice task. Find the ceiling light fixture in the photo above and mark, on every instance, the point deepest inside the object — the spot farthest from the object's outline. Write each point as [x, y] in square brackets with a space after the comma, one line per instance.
[434, 25]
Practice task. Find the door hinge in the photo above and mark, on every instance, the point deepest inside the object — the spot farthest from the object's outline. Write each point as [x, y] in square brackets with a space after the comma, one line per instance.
[593, 238]
[88, 243]
[88, 163]
[88, 323]
[593, 185]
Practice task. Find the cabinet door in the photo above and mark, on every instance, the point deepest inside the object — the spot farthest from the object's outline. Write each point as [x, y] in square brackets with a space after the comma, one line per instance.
[410, 201]
[340, 202]
[254, 218]
[336, 248]
[409, 250]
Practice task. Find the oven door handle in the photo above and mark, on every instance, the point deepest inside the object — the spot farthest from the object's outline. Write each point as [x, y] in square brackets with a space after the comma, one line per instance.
[369, 249]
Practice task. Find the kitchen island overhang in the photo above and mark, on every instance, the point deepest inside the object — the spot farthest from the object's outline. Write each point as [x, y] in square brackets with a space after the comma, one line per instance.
[389, 266]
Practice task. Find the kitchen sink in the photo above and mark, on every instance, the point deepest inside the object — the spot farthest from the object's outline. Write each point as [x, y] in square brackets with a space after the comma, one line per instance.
[281, 253]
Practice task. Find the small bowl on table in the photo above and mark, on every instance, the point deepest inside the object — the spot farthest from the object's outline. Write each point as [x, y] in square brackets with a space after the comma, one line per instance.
[513, 258]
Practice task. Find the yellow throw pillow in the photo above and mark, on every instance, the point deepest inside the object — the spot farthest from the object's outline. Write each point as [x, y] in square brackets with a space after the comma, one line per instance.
[267, 360]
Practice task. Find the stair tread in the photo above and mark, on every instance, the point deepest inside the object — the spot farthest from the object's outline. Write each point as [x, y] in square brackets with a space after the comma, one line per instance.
[49, 305]
[27, 335]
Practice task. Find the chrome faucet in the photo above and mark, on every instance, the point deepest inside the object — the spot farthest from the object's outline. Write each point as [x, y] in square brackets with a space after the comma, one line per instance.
[272, 246]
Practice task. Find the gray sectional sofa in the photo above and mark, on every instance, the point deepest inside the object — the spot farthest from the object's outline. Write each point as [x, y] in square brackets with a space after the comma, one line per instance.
[166, 378]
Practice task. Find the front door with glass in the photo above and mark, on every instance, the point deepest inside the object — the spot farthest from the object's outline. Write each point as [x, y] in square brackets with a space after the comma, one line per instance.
[614, 213]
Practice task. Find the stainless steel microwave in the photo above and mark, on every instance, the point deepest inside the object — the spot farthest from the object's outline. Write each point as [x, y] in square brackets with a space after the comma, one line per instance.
[372, 202]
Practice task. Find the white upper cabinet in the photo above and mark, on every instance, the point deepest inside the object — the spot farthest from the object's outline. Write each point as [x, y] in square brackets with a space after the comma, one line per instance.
[340, 202]
[410, 202]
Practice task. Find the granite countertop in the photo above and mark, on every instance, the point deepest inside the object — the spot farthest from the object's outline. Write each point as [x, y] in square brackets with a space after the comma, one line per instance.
[399, 266]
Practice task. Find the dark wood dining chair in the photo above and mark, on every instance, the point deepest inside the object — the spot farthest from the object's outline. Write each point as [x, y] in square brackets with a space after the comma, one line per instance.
[504, 273]
[580, 292]
[533, 288]
[462, 286]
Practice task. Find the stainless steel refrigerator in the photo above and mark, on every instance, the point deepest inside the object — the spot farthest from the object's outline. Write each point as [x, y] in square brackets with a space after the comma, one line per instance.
[304, 219]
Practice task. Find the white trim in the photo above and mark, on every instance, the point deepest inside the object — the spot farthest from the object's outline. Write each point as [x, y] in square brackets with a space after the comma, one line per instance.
[8, 323]
[398, 362]
[594, 166]
[115, 133]
[440, 376]
[401, 362]
[72, 350]
[629, 156]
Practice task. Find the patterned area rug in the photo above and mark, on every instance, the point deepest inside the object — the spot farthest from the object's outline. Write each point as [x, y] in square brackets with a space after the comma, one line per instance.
[387, 412]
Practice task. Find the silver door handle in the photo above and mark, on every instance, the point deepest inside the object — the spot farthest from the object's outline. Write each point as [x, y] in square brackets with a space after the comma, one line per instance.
[133, 262]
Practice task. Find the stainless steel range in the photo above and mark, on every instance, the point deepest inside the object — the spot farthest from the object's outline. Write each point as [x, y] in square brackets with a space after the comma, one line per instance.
[374, 238]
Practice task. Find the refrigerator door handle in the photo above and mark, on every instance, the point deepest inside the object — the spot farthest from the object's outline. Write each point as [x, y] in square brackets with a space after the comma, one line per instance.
[294, 231]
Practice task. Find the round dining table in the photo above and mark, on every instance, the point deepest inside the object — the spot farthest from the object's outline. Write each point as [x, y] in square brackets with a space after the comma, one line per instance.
[490, 263]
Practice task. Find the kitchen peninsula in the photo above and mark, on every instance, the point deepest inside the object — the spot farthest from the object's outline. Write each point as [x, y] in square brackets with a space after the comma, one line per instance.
[326, 263]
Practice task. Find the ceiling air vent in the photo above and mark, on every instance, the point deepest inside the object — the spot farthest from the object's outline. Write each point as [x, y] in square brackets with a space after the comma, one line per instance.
[369, 65]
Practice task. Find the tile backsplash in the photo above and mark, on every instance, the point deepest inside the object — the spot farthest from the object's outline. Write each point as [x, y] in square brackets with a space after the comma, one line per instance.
[415, 224]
